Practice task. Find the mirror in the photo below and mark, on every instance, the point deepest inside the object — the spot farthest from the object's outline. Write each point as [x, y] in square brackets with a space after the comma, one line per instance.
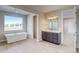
[53, 23]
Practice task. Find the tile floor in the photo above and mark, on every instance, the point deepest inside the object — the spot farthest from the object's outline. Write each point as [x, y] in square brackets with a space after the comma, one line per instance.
[32, 46]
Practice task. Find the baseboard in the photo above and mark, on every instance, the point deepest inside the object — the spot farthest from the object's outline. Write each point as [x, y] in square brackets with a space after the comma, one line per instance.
[39, 40]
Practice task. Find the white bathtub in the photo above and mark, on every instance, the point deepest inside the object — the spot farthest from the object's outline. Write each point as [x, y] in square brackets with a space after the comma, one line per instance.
[13, 37]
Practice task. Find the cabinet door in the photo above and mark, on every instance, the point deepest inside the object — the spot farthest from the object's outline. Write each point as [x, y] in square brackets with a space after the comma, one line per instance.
[44, 35]
[55, 35]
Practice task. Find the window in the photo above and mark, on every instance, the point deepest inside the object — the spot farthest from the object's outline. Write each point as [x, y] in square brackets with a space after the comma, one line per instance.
[13, 23]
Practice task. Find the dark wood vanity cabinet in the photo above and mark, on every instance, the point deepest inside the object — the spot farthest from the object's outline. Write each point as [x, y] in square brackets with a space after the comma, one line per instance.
[51, 37]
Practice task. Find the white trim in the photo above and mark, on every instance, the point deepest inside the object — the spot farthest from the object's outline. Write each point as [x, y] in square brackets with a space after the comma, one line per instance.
[62, 27]
[37, 18]
[37, 28]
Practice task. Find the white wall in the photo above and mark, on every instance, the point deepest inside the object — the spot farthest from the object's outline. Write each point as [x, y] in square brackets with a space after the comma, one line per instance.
[30, 26]
[41, 23]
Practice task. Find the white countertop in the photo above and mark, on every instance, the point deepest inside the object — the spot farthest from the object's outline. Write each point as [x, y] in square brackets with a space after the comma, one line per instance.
[51, 31]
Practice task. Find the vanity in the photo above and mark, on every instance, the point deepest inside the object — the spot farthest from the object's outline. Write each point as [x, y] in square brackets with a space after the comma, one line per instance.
[52, 33]
[52, 37]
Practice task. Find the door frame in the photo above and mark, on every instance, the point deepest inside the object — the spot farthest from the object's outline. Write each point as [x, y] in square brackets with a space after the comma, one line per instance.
[75, 9]
[37, 28]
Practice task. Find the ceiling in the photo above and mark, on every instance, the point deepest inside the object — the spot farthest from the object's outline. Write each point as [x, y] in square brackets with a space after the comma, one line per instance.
[45, 8]
[6, 8]
[37, 8]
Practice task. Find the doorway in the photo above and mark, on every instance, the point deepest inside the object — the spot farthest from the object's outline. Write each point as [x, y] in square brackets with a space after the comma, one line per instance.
[35, 27]
[69, 32]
